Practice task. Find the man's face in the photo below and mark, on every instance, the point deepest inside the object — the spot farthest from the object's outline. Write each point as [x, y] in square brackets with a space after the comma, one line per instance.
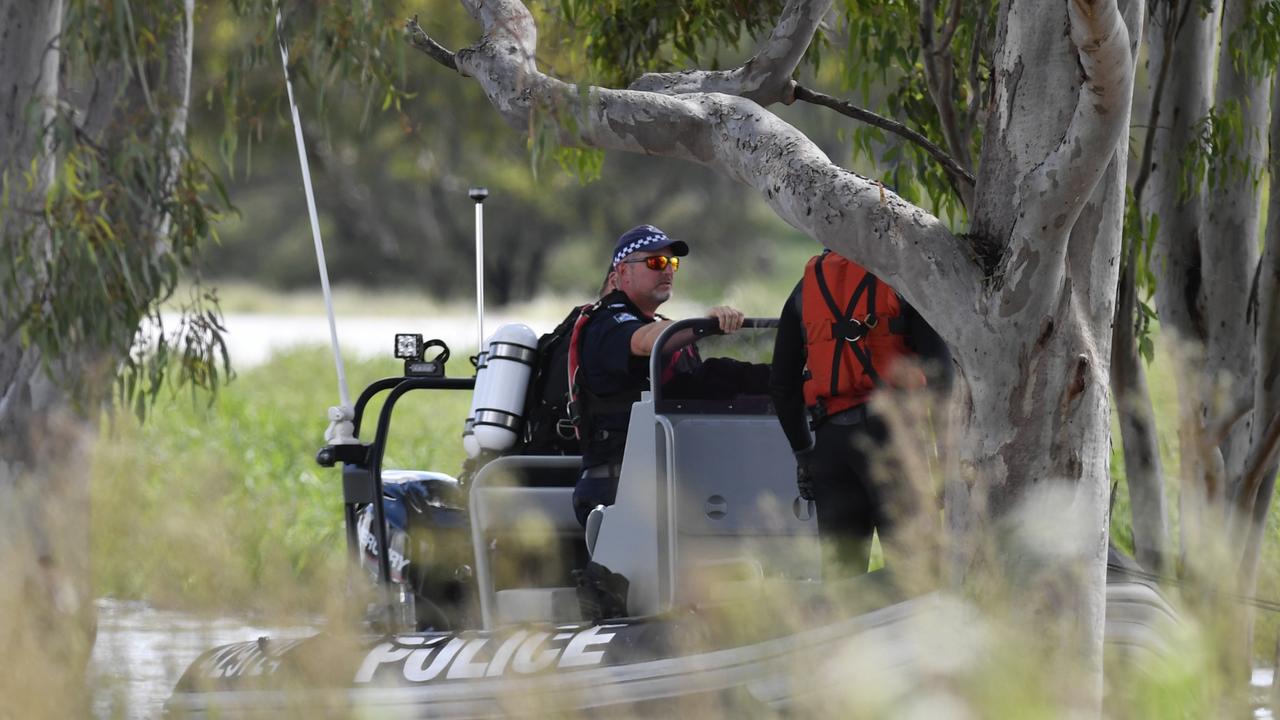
[645, 287]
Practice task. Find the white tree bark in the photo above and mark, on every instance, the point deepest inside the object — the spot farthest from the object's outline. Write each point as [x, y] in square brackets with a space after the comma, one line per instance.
[1259, 478]
[29, 58]
[1176, 255]
[44, 553]
[1229, 253]
[1027, 308]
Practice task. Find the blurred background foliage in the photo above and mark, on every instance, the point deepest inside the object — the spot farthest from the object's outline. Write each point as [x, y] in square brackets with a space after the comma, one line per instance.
[392, 162]
[394, 148]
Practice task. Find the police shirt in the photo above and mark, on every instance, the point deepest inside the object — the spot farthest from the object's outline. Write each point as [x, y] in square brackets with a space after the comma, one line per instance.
[608, 369]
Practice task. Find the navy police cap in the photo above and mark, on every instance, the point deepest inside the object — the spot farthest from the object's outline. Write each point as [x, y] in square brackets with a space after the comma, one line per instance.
[644, 238]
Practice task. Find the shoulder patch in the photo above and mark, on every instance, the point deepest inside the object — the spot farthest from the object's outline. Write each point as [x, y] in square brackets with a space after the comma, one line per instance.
[624, 317]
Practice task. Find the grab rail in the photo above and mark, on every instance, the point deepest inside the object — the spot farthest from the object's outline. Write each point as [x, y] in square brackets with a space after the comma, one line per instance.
[703, 326]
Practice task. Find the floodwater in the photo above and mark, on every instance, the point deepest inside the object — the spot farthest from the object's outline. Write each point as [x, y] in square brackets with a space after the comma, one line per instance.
[142, 651]
[253, 337]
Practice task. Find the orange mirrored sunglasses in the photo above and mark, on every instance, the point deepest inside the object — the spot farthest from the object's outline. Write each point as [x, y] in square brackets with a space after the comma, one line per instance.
[657, 262]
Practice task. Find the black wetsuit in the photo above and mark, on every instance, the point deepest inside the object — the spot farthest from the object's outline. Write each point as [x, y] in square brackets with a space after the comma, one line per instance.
[850, 506]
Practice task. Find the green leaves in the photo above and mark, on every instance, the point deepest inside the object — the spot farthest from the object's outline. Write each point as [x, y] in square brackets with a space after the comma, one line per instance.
[585, 164]
[1218, 152]
[1255, 47]
[1141, 231]
[117, 229]
[624, 40]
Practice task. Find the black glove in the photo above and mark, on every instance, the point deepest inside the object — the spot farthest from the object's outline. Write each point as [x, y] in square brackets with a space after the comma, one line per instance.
[804, 477]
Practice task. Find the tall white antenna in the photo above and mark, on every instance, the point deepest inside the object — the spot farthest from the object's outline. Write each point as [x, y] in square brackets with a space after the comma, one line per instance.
[340, 427]
[478, 194]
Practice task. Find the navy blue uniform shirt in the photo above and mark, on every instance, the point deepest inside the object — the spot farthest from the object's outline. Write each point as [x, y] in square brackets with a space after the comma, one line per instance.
[608, 369]
[606, 365]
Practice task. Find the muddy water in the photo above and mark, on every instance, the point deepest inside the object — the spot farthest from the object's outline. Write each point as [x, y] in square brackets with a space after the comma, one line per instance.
[141, 652]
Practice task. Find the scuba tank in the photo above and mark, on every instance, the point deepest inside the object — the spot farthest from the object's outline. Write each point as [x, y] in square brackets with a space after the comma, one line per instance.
[499, 397]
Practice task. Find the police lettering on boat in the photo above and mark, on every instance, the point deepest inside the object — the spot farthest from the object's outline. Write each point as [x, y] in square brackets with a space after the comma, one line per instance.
[418, 658]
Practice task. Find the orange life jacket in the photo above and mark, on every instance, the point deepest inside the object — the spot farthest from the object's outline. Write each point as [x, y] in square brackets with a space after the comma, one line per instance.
[855, 334]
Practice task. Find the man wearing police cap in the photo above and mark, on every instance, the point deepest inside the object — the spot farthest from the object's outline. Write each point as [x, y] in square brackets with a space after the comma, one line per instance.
[614, 345]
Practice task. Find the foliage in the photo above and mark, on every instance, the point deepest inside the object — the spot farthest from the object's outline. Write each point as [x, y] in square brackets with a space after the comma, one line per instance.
[391, 183]
[624, 40]
[1142, 231]
[221, 506]
[883, 63]
[1255, 48]
[122, 221]
[1219, 152]
[880, 57]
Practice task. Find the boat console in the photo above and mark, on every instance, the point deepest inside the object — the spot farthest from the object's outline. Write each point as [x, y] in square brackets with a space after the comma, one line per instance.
[707, 496]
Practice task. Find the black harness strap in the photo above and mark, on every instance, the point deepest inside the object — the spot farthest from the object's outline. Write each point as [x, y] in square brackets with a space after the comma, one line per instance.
[846, 329]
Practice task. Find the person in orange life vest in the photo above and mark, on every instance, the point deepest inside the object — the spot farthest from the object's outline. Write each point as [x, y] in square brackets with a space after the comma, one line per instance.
[842, 334]
[613, 348]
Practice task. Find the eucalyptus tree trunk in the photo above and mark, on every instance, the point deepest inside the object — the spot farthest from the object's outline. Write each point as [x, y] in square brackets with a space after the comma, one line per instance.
[29, 62]
[1038, 432]
[1179, 213]
[44, 555]
[1257, 488]
[1207, 263]
[48, 404]
[1229, 253]
[1216, 296]
[1025, 301]
[1144, 472]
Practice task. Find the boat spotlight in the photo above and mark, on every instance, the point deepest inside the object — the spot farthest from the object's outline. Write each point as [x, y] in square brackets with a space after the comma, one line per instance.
[409, 346]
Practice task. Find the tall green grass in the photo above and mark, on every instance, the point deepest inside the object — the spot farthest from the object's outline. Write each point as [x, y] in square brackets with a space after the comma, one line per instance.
[219, 503]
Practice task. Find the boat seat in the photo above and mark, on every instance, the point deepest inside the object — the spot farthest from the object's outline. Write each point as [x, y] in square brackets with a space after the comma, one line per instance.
[536, 605]
[522, 521]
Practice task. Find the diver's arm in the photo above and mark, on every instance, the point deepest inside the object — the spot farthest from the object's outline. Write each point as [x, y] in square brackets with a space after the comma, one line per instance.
[935, 356]
[786, 375]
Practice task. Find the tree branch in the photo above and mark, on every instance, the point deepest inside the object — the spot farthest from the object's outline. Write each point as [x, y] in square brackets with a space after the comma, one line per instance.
[1157, 97]
[908, 247]
[434, 50]
[1065, 180]
[939, 72]
[955, 172]
[766, 78]
[1261, 462]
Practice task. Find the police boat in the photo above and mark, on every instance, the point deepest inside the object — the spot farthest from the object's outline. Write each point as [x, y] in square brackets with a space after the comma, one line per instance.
[709, 586]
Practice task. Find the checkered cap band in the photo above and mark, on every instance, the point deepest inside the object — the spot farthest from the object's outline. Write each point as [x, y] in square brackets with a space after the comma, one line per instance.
[646, 237]
[654, 238]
